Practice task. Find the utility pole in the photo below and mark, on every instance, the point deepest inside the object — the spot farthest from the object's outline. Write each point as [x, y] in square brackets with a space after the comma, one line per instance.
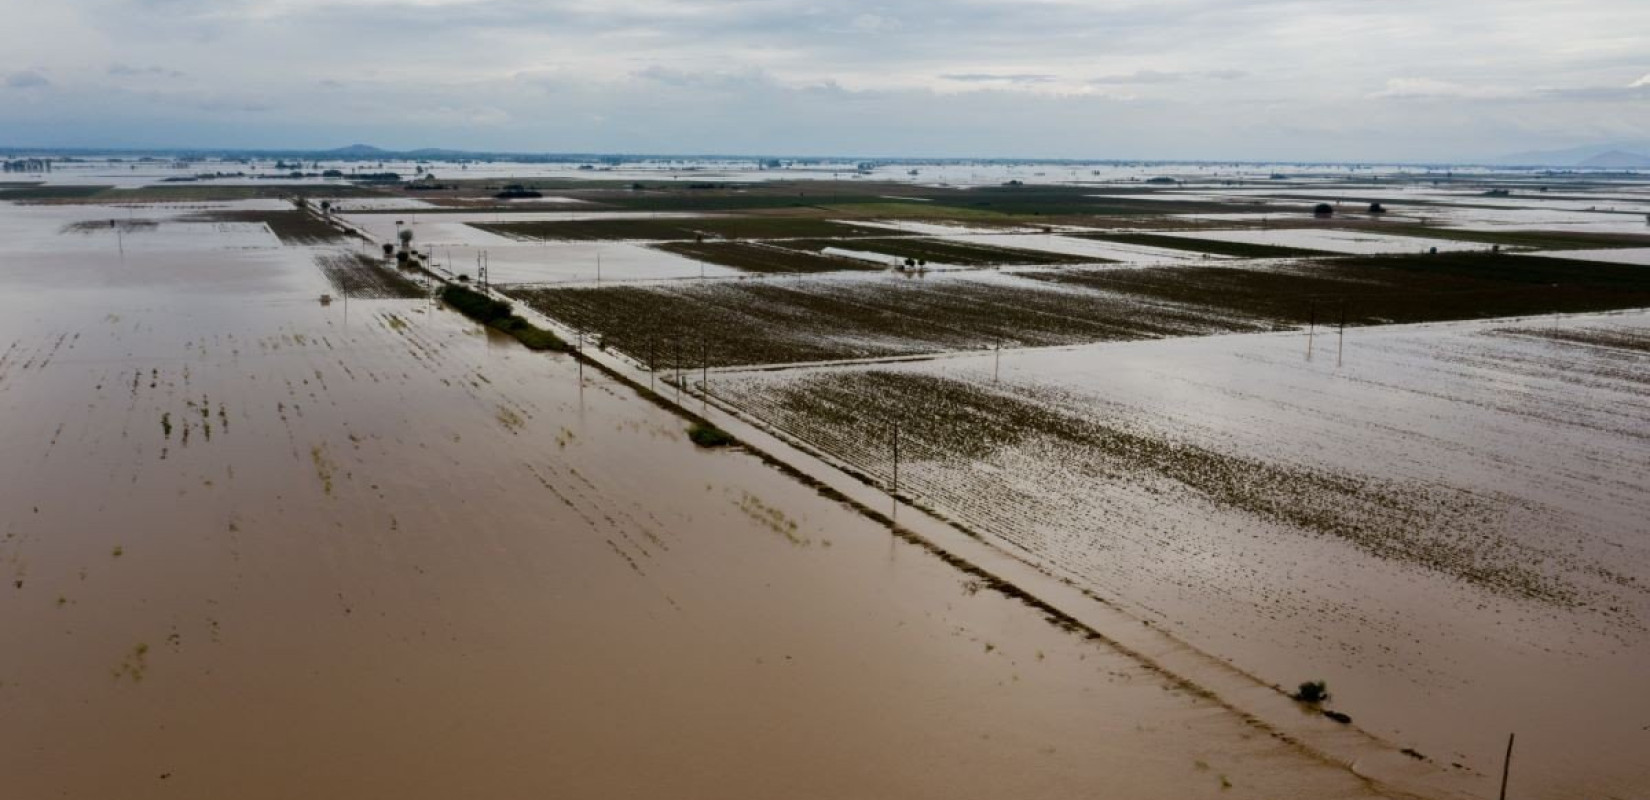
[997, 364]
[676, 362]
[704, 370]
[896, 460]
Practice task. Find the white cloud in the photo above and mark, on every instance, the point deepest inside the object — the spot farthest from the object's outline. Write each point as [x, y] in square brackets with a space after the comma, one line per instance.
[1640, 83]
[1430, 88]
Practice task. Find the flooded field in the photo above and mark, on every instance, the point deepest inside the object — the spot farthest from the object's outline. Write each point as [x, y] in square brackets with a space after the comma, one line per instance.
[275, 522]
[1445, 523]
[260, 546]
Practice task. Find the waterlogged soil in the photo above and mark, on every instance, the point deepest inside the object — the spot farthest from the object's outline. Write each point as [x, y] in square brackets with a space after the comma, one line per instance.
[1211, 246]
[760, 257]
[671, 228]
[756, 321]
[261, 547]
[940, 251]
[1445, 523]
[356, 274]
[292, 226]
[1374, 290]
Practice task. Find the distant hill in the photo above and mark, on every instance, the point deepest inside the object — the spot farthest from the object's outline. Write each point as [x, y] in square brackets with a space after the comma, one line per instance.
[1578, 156]
[356, 151]
[1617, 159]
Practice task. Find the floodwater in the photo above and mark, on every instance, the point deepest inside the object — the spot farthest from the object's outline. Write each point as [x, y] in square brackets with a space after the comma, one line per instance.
[1514, 452]
[260, 547]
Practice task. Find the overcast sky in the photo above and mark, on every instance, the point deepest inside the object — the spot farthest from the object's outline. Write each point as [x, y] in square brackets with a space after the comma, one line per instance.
[1342, 80]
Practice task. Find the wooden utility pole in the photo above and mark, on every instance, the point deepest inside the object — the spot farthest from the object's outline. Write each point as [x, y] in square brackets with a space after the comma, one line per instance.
[896, 460]
[1506, 766]
[997, 363]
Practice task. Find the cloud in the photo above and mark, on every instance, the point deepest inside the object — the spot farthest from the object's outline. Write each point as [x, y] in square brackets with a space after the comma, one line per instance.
[27, 79]
[1003, 77]
[1202, 78]
[1151, 76]
[126, 70]
[1430, 89]
[875, 23]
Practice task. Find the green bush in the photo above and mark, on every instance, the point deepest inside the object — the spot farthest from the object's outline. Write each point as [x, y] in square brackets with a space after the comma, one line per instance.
[705, 434]
[1312, 692]
[498, 315]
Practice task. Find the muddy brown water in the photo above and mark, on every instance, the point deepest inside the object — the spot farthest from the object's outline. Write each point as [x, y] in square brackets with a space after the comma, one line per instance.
[1510, 449]
[257, 546]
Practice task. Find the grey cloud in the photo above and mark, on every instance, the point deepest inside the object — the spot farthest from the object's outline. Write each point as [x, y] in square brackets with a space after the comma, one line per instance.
[125, 70]
[27, 79]
[1207, 78]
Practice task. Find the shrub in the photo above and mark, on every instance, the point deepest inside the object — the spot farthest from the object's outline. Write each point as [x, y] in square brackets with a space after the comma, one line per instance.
[1312, 692]
[705, 434]
[498, 315]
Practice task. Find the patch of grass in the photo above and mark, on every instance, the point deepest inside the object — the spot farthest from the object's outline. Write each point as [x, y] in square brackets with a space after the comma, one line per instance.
[291, 227]
[1538, 240]
[1633, 339]
[1236, 249]
[940, 251]
[47, 193]
[361, 275]
[761, 257]
[205, 192]
[1382, 289]
[671, 228]
[122, 225]
[705, 434]
[763, 322]
[498, 315]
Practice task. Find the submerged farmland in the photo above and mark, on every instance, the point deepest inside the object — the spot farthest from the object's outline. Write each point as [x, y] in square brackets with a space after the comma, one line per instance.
[1063, 486]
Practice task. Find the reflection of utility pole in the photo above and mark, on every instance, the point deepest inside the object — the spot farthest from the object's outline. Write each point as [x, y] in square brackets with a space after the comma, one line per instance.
[1506, 766]
[1311, 329]
[1340, 347]
[598, 267]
